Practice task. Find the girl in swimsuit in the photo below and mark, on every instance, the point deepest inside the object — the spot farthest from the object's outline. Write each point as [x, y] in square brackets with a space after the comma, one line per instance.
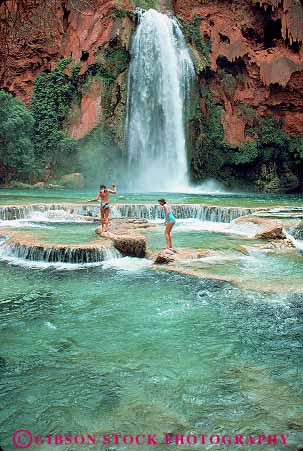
[170, 221]
[105, 205]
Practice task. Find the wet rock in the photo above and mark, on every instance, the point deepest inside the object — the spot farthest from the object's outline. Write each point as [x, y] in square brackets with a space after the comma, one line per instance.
[123, 233]
[132, 246]
[268, 229]
[164, 257]
[273, 231]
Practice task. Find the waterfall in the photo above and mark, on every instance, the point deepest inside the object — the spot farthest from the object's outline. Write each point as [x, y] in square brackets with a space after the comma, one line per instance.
[160, 77]
[58, 254]
[147, 211]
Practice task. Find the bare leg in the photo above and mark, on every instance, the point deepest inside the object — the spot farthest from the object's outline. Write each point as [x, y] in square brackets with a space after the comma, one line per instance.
[106, 218]
[102, 219]
[168, 229]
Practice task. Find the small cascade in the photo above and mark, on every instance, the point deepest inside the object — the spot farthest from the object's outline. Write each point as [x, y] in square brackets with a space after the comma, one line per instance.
[59, 212]
[151, 212]
[58, 254]
[295, 235]
[190, 211]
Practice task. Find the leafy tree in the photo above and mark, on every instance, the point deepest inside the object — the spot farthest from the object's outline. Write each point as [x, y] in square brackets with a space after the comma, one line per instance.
[247, 153]
[16, 146]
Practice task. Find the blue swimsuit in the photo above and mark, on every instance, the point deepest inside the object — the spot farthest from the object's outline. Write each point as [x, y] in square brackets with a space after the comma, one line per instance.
[170, 217]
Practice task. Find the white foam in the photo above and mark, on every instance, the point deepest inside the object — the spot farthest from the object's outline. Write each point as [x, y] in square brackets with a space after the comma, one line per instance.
[247, 230]
[22, 223]
[41, 265]
[128, 263]
[208, 187]
[50, 325]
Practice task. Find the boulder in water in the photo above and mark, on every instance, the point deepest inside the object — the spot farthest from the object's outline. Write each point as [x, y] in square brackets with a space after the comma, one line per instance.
[273, 230]
[131, 245]
[268, 229]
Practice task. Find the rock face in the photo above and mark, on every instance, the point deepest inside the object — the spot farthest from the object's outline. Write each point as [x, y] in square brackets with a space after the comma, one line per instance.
[250, 67]
[42, 33]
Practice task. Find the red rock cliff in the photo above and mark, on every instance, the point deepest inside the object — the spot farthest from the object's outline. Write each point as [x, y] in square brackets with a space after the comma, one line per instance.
[35, 35]
[262, 42]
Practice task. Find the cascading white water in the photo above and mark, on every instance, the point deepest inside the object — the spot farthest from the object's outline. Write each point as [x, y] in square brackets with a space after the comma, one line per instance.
[76, 213]
[160, 77]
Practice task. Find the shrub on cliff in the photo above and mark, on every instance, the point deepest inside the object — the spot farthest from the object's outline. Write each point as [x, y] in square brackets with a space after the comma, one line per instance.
[296, 149]
[52, 97]
[16, 146]
[247, 153]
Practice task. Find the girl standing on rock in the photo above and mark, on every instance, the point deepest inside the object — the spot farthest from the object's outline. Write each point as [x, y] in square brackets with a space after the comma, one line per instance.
[105, 205]
[170, 221]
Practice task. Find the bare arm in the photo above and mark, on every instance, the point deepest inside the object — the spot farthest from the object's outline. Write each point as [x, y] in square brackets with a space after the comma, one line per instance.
[94, 200]
[113, 191]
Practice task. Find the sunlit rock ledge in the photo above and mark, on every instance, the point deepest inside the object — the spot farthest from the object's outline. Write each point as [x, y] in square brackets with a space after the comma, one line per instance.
[121, 240]
[125, 236]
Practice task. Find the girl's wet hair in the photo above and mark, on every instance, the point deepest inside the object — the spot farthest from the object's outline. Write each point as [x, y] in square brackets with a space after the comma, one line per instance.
[102, 186]
[163, 201]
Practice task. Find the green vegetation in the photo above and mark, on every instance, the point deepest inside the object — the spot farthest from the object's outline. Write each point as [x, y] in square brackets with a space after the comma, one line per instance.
[118, 11]
[193, 36]
[296, 150]
[52, 97]
[247, 112]
[17, 158]
[269, 161]
[208, 150]
[247, 153]
[34, 141]
[147, 4]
